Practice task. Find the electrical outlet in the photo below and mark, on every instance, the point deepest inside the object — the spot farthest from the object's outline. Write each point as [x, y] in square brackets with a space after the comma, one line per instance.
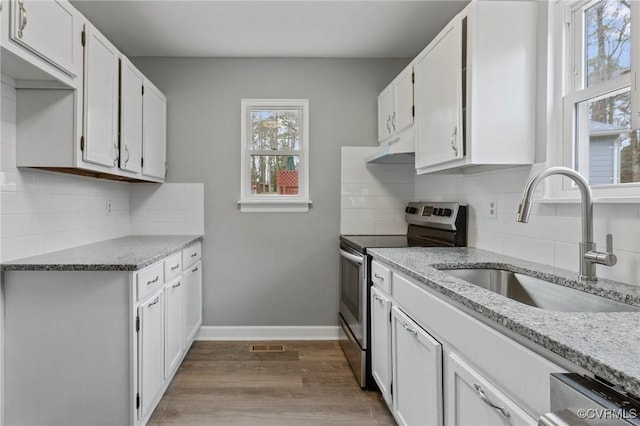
[492, 209]
[109, 207]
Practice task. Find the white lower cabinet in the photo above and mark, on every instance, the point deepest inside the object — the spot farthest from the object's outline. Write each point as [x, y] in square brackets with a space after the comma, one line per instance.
[192, 302]
[173, 326]
[151, 351]
[381, 342]
[472, 400]
[417, 373]
[435, 364]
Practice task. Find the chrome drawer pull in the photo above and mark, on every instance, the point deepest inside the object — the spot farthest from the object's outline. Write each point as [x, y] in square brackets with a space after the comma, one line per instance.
[375, 274]
[176, 285]
[378, 298]
[194, 254]
[173, 268]
[490, 403]
[157, 299]
[195, 269]
[155, 280]
[409, 329]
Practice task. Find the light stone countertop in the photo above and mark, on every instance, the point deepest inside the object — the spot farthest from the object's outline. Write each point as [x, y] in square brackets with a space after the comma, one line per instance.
[120, 254]
[606, 344]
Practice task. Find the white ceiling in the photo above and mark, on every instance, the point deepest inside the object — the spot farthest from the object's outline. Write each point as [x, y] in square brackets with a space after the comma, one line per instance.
[265, 28]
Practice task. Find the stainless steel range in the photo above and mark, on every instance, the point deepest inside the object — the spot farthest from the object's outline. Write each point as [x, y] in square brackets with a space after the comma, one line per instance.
[431, 224]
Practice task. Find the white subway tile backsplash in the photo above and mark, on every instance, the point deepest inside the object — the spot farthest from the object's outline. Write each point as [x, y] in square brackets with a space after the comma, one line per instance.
[554, 230]
[373, 195]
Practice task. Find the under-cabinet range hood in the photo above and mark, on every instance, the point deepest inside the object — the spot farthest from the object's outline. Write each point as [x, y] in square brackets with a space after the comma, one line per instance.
[400, 150]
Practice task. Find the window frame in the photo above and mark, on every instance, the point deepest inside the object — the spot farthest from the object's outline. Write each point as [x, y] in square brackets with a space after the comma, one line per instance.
[567, 86]
[265, 203]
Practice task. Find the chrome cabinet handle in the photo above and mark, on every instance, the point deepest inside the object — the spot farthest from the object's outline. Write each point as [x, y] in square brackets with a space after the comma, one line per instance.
[490, 403]
[126, 149]
[195, 269]
[155, 280]
[454, 146]
[173, 268]
[393, 121]
[176, 285]
[155, 301]
[375, 275]
[194, 254]
[378, 298]
[22, 18]
[388, 123]
[409, 329]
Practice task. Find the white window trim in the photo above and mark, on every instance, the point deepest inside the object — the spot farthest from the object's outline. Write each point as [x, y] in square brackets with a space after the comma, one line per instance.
[560, 110]
[250, 203]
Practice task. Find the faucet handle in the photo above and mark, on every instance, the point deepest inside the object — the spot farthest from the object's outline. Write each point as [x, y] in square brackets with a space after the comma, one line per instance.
[610, 243]
[607, 258]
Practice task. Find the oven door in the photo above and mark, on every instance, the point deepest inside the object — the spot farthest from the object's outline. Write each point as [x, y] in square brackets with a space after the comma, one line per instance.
[353, 292]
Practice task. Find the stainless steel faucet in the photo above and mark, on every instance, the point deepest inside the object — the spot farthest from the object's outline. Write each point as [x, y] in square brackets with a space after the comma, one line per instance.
[589, 257]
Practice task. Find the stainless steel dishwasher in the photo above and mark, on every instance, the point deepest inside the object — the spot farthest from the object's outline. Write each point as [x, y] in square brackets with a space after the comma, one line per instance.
[578, 400]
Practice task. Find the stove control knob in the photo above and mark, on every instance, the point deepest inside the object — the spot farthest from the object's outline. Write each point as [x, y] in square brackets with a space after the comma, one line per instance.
[447, 212]
[411, 210]
[436, 211]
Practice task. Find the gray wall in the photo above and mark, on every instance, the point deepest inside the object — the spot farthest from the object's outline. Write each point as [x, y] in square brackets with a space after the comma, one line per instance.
[267, 268]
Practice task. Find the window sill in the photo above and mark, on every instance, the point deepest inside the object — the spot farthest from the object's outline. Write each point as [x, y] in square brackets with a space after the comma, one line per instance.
[274, 206]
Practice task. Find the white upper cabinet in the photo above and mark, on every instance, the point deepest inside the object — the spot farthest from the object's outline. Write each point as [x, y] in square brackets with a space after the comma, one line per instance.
[395, 106]
[475, 89]
[41, 35]
[100, 126]
[154, 143]
[131, 83]
[438, 90]
[108, 122]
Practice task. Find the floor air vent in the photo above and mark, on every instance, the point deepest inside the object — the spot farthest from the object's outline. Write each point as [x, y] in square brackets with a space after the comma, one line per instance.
[266, 348]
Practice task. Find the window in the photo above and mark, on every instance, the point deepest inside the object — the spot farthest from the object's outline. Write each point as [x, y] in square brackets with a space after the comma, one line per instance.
[275, 155]
[599, 102]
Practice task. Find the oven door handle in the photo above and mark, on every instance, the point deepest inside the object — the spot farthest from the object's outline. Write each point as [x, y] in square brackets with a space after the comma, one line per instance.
[352, 257]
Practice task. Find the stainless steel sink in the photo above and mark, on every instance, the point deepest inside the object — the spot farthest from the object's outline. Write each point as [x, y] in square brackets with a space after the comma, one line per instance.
[539, 293]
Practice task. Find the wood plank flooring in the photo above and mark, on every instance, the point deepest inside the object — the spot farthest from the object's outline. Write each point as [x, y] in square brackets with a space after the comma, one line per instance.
[309, 383]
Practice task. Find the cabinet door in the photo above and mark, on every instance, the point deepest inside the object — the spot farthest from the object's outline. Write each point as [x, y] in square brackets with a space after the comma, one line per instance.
[100, 100]
[151, 351]
[402, 117]
[45, 27]
[438, 99]
[130, 116]
[472, 400]
[154, 144]
[173, 325]
[381, 342]
[385, 112]
[417, 373]
[192, 296]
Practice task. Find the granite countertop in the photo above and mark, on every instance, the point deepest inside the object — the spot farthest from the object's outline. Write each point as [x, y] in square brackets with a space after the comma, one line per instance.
[121, 254]
[606, 344]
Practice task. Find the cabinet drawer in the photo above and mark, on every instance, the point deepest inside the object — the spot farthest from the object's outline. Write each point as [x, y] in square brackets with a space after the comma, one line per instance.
[172, 267]
[517, 371]
[191, 255]
[381, 276]
[149, 280]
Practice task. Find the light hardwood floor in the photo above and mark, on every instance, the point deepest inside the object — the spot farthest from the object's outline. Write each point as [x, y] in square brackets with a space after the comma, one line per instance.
[309, 383]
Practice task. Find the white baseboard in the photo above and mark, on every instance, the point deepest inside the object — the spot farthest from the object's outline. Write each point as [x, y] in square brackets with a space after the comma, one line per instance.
[268, 333]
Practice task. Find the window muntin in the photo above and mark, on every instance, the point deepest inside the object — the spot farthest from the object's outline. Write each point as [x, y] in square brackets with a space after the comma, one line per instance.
[599, 142]
[275, 152]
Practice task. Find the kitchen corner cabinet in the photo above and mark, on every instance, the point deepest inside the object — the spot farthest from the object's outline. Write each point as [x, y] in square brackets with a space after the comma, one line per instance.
[106, 343]
[475, 89]
[39, 41]
[110, 123]
[395, 106]
[447, 367]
